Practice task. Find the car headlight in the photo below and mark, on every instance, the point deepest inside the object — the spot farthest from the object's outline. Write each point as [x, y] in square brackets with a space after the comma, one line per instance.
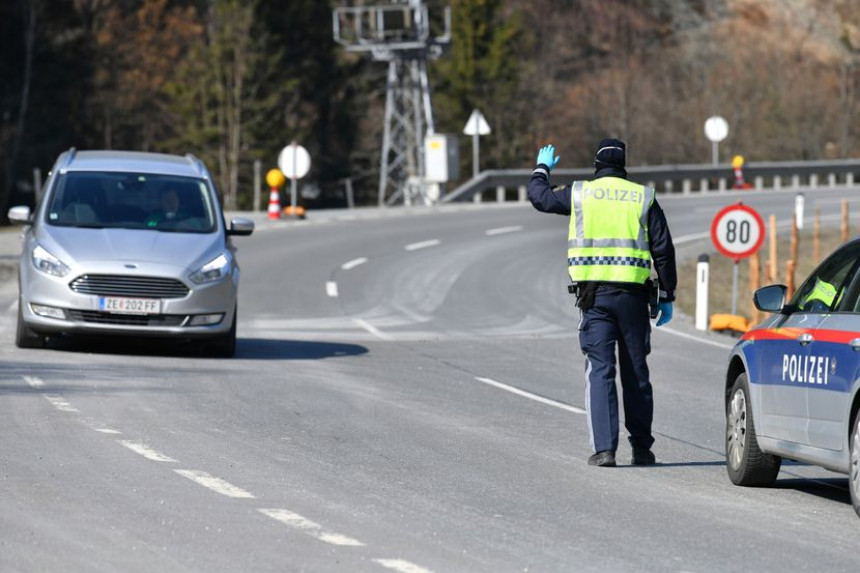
[215, 269]
[48, 263]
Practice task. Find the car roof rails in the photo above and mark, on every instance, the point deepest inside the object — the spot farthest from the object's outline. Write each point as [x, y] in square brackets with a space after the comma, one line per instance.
[198, 164]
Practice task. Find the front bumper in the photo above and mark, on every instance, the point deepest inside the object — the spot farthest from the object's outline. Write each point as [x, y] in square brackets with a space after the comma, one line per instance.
[83, 315]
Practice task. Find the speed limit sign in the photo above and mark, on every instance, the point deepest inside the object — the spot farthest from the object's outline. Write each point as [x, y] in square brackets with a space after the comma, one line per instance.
[737, 231]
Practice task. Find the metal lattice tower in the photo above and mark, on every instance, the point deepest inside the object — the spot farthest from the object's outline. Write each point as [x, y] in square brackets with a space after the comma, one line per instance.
[398, 33]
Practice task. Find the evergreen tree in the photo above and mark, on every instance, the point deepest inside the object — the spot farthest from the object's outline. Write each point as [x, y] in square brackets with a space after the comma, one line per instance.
[482, 71]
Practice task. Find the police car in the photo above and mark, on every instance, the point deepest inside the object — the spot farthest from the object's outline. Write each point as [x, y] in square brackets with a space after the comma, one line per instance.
[792, 383]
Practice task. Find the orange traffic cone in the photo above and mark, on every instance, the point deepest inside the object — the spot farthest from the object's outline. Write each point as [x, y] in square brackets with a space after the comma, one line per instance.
[274, 204]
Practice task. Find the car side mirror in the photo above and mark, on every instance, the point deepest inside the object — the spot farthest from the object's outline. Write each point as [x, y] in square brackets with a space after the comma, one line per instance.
[20, 215]
[241, 227]
[770, 298]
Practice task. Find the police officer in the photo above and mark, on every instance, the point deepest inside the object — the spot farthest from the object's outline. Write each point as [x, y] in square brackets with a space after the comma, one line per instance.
[617, 230]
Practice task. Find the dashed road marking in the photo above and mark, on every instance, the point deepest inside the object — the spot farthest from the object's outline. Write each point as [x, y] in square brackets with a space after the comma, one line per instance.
[422, 245]
[34, 381]
[401, 566]
[144, 450]
[106, 431]
[309, 527]
[215, 484]
[353, 263]
[372, 329]
[503, 230]
[331, 289]
[530, 396]
[60, 403]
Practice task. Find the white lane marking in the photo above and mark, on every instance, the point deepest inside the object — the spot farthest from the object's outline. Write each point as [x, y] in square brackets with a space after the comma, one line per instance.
[422, 245]
[60, 403]
[309, 527]
[215, 484]
[353, 263]
[401, 566]
[372, 329]
[690, 238]
[530, 396]
[34, 381]
[14, 306]
[696, 338]
[331, 289]
[503, 230]
[145, 451]
[106, 431]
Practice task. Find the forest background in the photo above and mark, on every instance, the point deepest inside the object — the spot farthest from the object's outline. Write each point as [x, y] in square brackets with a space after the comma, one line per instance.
[234, 81]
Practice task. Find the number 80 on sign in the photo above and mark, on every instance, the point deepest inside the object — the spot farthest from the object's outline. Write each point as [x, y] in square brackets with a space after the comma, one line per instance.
[737, 231]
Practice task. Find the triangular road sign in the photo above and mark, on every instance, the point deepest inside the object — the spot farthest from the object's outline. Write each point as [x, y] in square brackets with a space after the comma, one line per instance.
[476, 124]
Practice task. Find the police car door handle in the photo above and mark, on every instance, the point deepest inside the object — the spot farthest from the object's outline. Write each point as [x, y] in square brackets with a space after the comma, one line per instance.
[805, 338]
[855, 344]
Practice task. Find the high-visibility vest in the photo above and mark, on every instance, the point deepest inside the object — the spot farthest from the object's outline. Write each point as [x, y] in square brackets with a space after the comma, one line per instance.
[608, 238]
[822, 291]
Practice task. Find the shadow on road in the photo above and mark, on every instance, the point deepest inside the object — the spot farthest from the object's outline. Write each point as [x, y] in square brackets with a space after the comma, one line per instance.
[266, 349]
[246, 348]
[660, 464]
[832, 489]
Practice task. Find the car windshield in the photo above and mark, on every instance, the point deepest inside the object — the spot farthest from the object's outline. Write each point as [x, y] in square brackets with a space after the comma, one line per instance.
[132, 201]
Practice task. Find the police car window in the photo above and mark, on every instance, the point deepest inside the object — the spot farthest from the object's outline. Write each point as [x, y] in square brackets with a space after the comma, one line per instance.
[825, 289]
[849, 300]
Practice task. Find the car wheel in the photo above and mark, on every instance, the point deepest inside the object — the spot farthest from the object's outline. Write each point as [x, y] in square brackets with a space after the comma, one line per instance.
[746, 463]
[225, 345]
[26, 337]
[854, 470]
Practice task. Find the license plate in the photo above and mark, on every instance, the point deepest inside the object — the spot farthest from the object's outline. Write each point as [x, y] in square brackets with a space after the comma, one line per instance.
[119, 305]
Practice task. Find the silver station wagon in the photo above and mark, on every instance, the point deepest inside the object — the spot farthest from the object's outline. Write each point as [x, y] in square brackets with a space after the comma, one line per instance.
[128, 243]
[793, 383]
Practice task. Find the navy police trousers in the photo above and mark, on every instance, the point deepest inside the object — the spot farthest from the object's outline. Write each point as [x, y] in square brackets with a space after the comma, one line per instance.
[619, 317]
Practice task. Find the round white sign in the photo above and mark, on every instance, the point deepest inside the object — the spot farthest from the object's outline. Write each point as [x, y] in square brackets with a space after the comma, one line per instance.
[737, 231]
[294, 161]
[716, 128]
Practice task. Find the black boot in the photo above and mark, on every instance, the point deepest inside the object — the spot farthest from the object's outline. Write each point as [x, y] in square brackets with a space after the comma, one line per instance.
[643, 457]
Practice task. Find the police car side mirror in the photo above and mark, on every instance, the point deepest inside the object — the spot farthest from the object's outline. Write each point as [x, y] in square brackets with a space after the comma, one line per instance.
[770, 298]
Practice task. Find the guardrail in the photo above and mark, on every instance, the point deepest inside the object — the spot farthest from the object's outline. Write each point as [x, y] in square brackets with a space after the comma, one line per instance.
[796, 175]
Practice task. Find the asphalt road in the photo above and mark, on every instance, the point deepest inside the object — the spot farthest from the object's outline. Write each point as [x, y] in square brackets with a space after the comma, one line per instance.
[407, 396]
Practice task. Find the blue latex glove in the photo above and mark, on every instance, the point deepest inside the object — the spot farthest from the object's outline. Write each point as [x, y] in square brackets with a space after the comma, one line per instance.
[547, 156]
[665, 313]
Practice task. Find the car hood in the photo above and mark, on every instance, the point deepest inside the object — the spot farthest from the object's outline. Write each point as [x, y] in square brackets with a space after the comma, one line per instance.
[76, 245]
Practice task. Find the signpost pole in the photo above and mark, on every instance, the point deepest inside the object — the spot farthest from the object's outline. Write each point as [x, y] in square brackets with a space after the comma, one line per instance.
[735, 288]
[476, 126]
[293, 182]
[475, 155]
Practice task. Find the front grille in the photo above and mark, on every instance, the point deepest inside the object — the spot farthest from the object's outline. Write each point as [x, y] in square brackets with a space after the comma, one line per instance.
[94, 316]
[129, 286]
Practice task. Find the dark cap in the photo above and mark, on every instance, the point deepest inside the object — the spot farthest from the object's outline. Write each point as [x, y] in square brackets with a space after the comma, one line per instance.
[610, 153]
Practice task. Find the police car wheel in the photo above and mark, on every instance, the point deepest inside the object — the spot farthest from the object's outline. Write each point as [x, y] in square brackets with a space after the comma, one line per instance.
[746, 463]
[854, 469]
